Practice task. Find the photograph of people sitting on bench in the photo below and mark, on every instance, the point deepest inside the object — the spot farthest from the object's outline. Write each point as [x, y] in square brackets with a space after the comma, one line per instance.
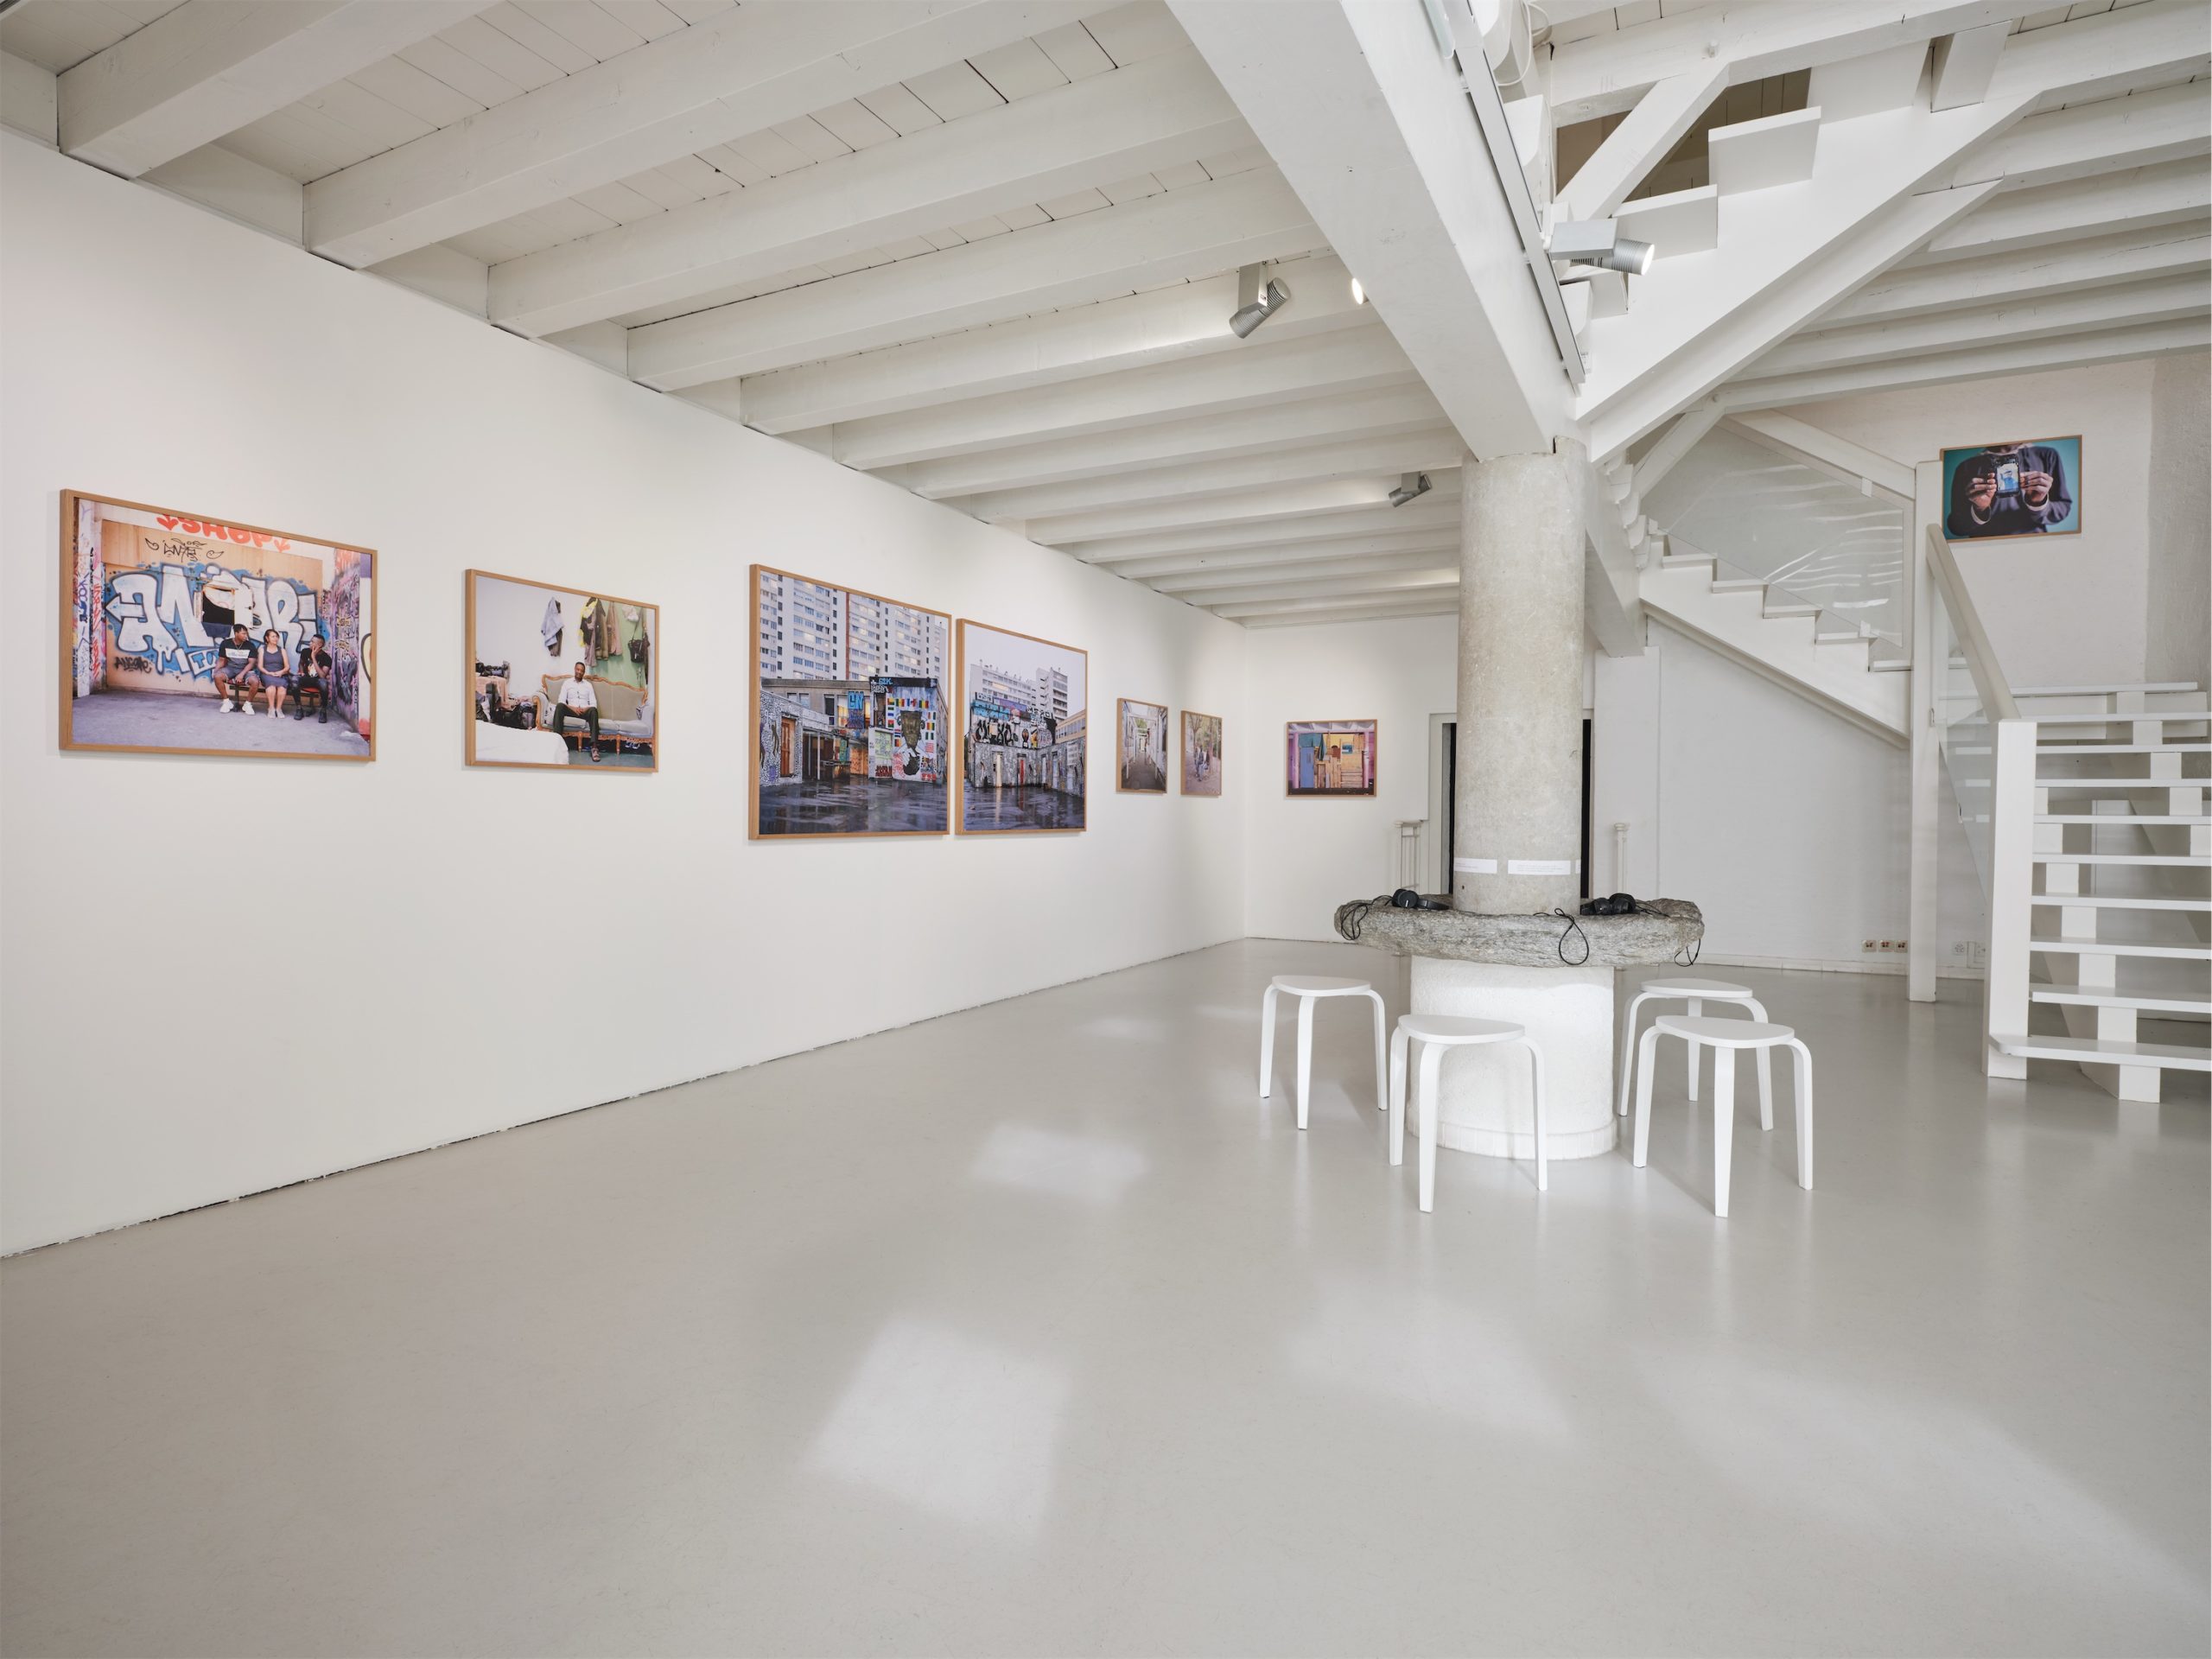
[561, 677]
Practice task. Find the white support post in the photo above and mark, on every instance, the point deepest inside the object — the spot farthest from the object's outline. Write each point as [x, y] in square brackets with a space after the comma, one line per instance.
[1927, 739]
[2012, 890]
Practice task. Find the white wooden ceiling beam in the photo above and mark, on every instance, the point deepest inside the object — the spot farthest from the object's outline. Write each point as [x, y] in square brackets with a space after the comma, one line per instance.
[1609, 72]
[1156, 113]
[208, 67]
[1198, 230]
[1912, 290]
[2145, 198]
[2160, 300]
[1963, 64]
[2024, 357]
[1250, 600]
[1183, 583]
[2172, 124]
[30, 101]
[1183, 320]
[1437, 512]
[1221, 383]
[739, 72]
[1447, 605]
[1393, 412]
[1630, 150]
[1442, 594]
[1246, 510]
[1371, 125]
[1422, 543]
[1691, 424]
[1433, 447]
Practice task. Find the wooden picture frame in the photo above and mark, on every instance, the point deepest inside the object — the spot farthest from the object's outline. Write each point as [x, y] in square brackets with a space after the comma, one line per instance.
[1121, 757]
[576, 760]
[947, 751]
[1951, 458]
[1182, 758]
[181, 598]
[1080, 744]
[1292, 730]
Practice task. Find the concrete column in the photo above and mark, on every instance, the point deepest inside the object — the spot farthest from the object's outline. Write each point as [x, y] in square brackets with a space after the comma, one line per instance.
[1518, 801]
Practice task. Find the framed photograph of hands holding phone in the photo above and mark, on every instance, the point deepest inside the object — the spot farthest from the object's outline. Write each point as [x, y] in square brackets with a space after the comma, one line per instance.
[2015, 487]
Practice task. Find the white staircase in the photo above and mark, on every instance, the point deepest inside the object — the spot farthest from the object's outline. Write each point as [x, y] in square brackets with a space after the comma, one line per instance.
[1774, 634]
[2118, 885]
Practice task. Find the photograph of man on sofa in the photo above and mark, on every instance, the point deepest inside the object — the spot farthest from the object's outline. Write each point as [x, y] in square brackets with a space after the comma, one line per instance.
[561, 677]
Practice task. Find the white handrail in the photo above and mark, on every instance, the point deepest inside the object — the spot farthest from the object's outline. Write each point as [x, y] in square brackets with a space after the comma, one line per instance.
[1989, 682]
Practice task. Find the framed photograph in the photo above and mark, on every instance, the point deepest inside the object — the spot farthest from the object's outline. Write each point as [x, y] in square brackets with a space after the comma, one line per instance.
[850, 712]
[1141, 747]
[1995, 491]
[558, 676]
[185, 635]
[1023, 718]
[1201, 754]
[1331, 757]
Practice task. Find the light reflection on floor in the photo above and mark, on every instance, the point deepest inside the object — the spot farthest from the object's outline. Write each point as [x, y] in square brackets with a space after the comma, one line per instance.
[1083, 1167]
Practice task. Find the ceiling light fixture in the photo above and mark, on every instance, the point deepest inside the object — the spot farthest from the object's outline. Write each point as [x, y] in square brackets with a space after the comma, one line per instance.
[1598, 243]
[1410, 485]
[1259, 296]
[1358, 292]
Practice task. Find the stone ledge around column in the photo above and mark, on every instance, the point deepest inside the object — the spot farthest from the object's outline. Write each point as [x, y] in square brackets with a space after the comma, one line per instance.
[1665, 930]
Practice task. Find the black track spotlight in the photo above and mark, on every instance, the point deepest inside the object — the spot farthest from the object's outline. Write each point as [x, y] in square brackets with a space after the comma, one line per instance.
[1258, 297]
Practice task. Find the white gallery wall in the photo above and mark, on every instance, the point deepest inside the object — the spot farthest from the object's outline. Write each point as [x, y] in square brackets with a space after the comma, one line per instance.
[1303, 856]
[155, 352]
[2060, 609]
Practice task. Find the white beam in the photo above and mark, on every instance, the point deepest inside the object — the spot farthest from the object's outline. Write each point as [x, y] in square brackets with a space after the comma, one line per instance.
[739, 72]
[2143, 198]
[1609, 72]
[2028, 356]
[1630, 150]
[1183, 320]
[2172, 124]
[1441, 594]
[1447, 605]
[1259, 374]
[1421, 543]
[1243, 510]
[1911, 290]
[1429, 514]
[1426, 450]
[1248, 601]
[238, 189]
[30, 101]
[1395, 412]
[1103, 128]
[2160, 300]
[1370, 124]
[1195, 231]
[208, 67]
[1964, 63]
[1676, 442]
[1247, 577]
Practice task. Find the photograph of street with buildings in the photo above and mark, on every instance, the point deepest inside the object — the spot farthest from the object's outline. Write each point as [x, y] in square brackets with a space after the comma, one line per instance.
[1201, 754]
[1023, 722]
[1331, 757]
[1141, 758]
[849, 710]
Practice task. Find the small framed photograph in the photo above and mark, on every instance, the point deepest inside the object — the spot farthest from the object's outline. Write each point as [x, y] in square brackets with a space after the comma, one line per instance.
[1141, 747]
[559, 677]
[1024, 721]
[1331, 757]
[1992, 492]
[1201, 754]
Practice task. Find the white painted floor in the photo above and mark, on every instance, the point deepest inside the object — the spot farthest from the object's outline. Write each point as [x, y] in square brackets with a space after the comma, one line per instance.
[1031, 1331]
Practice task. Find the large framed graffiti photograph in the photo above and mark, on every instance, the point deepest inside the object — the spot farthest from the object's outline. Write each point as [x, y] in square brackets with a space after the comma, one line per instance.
[1201, 754]
[558, 676]
[850, 710]
[1024, 716]
[1331, 757]
[1141, 751]
[186, 635]
[1992, 492]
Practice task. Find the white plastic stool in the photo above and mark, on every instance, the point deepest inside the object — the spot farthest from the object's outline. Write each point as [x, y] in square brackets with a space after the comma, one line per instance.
[1436, 1033]
[1697, 993]
[1725, 1037]
[1309, 991]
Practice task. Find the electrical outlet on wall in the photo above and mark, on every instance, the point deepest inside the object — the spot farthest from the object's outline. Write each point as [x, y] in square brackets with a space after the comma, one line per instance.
[1869, 945]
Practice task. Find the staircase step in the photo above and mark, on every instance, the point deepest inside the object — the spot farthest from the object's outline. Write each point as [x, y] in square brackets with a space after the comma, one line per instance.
[1889, 664]
[2103, 691]
[2166, 1056]
[2106, 717]
[2103, 996]
[2115, 948]
[2123, 748]
[1793, 610]
[2119, 818]
[1740, 585]
[2179, 860]
[2096, 902]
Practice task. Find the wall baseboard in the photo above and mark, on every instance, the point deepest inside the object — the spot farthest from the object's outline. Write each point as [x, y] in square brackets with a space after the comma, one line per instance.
[1825, 965]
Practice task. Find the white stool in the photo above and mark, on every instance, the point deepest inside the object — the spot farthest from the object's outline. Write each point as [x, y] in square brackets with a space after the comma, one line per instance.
[1436, 1033]
[1697, 993]
[1725, 1037]
[1309, 991]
